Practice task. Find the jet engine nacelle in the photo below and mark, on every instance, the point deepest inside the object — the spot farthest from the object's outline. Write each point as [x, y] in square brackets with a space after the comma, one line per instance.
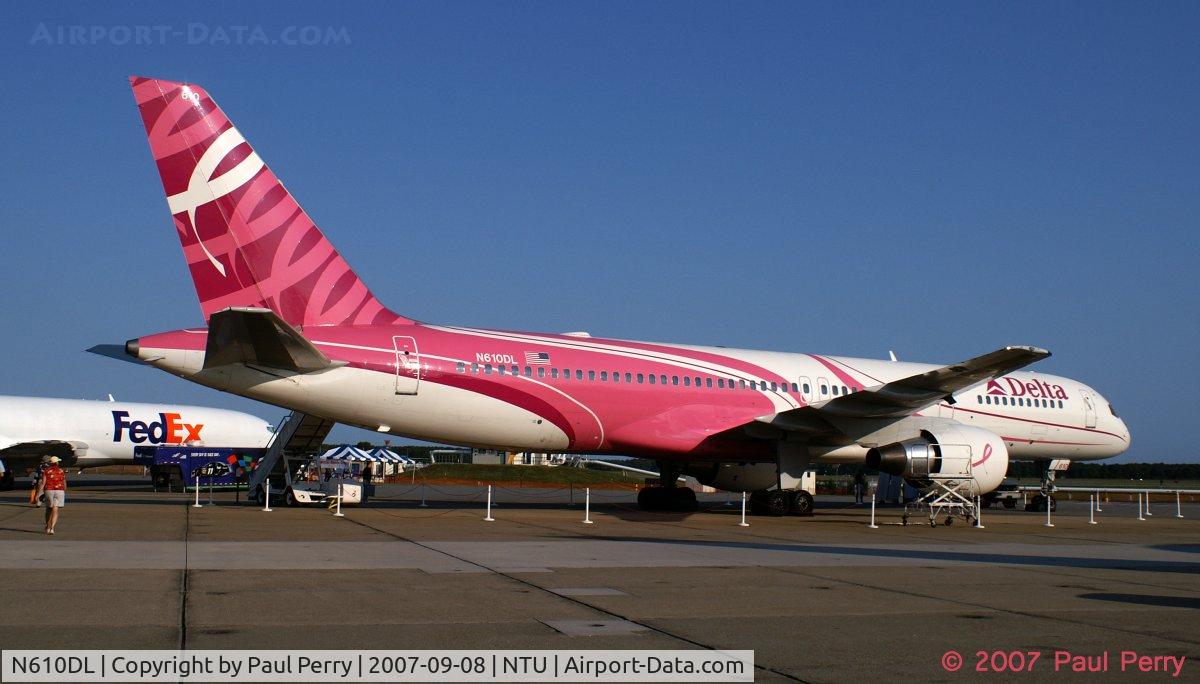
[978, 456]
[736, 477]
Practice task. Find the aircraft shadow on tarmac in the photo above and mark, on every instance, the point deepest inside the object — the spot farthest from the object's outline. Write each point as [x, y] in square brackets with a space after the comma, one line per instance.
[931, 555]
[1148, 600]
[1181, 548]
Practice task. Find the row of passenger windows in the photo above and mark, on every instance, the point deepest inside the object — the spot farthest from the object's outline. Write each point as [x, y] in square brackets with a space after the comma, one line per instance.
[651, 379]
[1019, 401]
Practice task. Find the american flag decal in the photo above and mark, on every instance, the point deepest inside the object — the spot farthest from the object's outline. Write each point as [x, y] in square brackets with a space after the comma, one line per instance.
[537, 358]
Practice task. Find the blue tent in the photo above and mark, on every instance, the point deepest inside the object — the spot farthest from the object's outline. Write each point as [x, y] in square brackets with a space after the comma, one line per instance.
[390, 456]
[349, 453]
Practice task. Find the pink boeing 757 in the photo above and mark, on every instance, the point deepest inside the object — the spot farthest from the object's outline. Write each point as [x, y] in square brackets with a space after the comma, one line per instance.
[291, 324]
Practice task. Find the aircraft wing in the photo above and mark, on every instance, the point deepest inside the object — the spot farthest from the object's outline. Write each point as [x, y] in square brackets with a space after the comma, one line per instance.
[906, 396]
[259, 337]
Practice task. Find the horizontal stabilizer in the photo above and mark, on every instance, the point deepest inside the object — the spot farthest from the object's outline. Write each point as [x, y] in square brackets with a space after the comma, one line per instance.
[259, 337]
[115, 351]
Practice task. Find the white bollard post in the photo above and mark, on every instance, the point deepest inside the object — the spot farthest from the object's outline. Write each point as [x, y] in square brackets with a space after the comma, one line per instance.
[587, 506]
[338, 513]
[1148, 513]
[423, 504]
[1092, 510]
[1098, 502]
[488, 517]
[267, 496]
[978, 515]
[197, 504]
[1178, 506]
[873, 526]
[1140, 517]
[743, 523]
[1049, 505]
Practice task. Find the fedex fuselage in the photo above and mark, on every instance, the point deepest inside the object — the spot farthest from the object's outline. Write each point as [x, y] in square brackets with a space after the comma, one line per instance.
[572, 393]
[96, 433]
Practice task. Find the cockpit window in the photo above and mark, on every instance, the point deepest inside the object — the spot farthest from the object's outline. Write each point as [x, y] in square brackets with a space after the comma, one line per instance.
[1112, 411]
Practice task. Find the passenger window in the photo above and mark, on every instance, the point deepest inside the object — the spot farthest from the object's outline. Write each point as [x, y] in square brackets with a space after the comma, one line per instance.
[500, 370]
[592, 375]
[578, 374]
[806, 388]
[741, 383]
[721, 383]
[487, 369]
[663, 379]
[528, 372]
[674, 379]
[566, 374]
[1060, 403]
[774, 386]
[795, 388]
[979, 398]
[460, 367]
[541, 371]
[639, 377]
[708, 384]
[687, 382]
[628, 376]
[824, 389]
[603, 376]
[698, 382]
[475, 368]
[516, 370]
[834, 389]
[554, 373]
[653, 378]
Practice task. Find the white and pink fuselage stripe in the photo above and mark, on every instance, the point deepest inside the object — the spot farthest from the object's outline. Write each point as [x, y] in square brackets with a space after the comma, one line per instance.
[458, 386]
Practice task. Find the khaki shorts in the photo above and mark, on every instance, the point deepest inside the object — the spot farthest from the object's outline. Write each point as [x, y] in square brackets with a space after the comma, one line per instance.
[56, 498]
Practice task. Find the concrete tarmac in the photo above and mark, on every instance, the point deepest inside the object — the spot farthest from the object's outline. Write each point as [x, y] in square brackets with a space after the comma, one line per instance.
[818, 599]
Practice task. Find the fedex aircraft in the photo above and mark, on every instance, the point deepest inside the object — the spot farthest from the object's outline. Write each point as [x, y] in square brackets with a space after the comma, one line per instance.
[94, 433]
[288, 322]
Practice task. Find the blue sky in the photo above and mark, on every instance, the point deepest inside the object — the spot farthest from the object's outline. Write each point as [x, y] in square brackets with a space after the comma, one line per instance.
[935, 178]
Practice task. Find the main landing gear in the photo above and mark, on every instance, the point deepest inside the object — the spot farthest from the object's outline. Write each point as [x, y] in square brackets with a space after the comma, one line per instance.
[781, 502]
[667, 496]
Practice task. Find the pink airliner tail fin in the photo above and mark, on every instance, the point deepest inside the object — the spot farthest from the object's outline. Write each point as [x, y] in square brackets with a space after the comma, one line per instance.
[246, 240]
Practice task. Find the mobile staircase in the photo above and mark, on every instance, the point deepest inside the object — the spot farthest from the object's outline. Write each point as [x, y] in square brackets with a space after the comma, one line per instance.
[297, 433]
[951, 489]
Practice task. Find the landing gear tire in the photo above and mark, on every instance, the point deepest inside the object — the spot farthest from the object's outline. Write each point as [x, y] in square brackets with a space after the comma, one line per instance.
[1038, 504]
[677, 499]
[800, 503]
[289, 497]
[773, 502]
[260, 497]
[1010, 504]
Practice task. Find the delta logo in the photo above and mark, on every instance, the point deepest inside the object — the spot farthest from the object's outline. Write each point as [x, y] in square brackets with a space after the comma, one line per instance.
[168, 429]
[1011, 387]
